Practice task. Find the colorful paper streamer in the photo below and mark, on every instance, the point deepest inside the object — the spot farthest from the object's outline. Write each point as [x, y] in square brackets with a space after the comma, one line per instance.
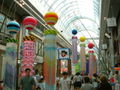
[92, 64]
[50, 50]
[10, 66]
[28, 56]
[82, 57]
[74, 49]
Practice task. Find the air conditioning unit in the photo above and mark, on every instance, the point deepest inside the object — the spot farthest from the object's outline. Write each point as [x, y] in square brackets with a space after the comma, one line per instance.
[111, 22]
[104, 46]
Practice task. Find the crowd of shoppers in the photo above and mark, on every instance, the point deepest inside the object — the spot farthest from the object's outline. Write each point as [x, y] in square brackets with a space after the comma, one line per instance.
[84, 82]
[79, 81]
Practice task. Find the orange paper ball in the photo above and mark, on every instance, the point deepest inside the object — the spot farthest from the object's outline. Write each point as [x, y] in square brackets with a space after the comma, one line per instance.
[51, 18]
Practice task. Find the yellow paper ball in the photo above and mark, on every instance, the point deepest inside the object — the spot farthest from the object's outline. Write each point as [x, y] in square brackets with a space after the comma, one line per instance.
[82, 39]
[51, 18]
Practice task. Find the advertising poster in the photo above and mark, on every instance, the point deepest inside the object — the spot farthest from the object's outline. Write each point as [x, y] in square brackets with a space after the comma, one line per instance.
[63, 54]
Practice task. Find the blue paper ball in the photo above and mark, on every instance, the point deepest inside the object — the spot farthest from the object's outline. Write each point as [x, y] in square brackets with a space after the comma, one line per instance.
[13, 27]
[74, 32]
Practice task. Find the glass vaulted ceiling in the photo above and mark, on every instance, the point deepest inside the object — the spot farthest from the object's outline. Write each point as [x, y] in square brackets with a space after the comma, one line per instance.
[82, 15]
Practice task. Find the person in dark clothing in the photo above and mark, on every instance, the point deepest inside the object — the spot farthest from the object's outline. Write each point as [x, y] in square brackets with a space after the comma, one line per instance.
[104, 85]
[77, 81]
[87, 85]
[1, 86]
[27, 82]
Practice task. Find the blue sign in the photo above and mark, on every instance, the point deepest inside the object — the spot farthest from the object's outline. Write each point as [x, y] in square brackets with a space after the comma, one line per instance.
[63, 53]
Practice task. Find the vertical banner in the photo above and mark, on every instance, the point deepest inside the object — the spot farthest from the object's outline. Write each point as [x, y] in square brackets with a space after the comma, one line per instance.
[92, 64]
[74, 50]
[10, 66]
[28, 56]
[83, 57]
[50, 52]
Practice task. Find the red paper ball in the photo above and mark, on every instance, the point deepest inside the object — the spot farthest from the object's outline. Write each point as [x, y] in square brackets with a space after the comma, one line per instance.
[29, 22]
[90, 45]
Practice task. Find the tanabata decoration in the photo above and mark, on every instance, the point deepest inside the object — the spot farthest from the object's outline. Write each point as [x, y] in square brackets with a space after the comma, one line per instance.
[82, 39]
[51, 18]
[13, 27]
[74, 50]
[74, 32]
[90, 45]
[92, 63]
[50, 49]
[10, 70]
[29, 23]
[82, 54]
[28, 54]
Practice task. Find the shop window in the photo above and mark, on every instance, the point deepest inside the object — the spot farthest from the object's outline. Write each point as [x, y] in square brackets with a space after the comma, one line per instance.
[2, 18]
[5, 24]
[39, 48]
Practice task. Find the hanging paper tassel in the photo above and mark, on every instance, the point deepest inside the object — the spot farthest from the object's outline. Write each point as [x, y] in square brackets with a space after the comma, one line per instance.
[92, 64]
[50, 49]
[74, 49]
[83, 59]
[10, 66]
[28, 54]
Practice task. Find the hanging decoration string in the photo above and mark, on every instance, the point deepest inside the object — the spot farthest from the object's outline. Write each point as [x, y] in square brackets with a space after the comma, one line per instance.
[15, 7]
[10, 8]
[2, 5]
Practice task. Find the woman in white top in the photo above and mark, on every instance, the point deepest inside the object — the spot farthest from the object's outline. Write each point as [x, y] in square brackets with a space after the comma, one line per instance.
[87, 85]
[65, 82]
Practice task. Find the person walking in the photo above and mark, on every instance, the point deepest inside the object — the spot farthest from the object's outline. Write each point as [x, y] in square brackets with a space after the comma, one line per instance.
[86, 84]
[27, 82]
[65, 82]
[77, 81]
[1, 86]
[41, 84]
[117, 77]
[95, 80]
[104, 85]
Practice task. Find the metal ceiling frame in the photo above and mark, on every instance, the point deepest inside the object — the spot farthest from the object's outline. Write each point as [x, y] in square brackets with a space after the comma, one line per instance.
[66, 7]
[74, 19]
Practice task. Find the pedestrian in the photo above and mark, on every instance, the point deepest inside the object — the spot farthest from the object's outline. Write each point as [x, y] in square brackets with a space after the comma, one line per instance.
[77, 81]
[86, 84]
[36, 77]
[104, 85]
[117, 76]
[65, 82]
[1, 86]
[95, 80]
[41, 84]
[38, 88]
[27, 82]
